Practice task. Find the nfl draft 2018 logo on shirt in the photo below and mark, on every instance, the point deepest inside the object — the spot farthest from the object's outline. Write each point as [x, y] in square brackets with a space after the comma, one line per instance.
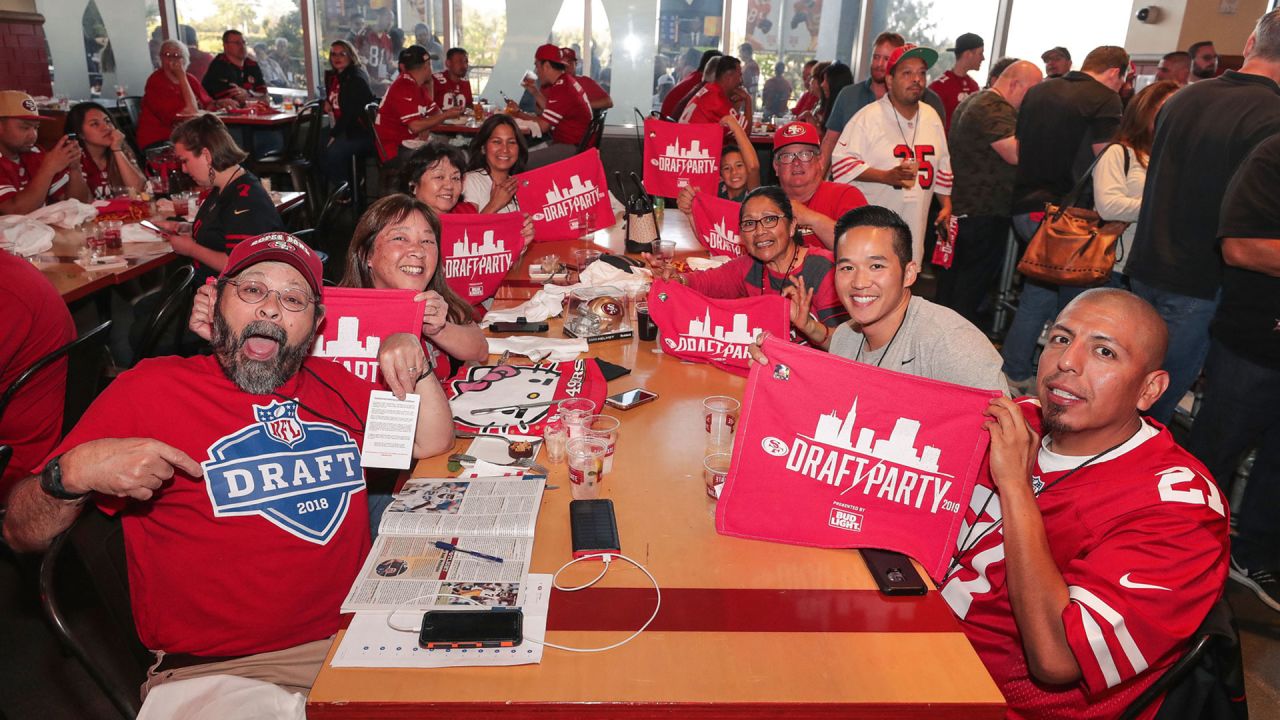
[702, 329]
[836, 453]
[297, 475]
[356, 320]
[715, 222]
[679, 155]
[519, 398]
[568, 198]
[477, 251]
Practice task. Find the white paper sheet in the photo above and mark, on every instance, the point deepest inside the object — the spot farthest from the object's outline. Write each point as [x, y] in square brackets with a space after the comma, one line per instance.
[370, 642]
[389, 431]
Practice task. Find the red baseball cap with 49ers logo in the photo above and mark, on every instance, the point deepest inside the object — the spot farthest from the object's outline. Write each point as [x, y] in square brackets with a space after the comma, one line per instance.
[796, 132]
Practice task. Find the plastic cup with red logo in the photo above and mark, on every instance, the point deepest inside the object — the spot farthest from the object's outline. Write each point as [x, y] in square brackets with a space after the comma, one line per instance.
[603, 427]
[586, 467]
[720, 418]
[715, 468]
[574, 412]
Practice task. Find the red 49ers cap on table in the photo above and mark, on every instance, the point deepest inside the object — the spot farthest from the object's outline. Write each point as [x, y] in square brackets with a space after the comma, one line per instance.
[796, 132]
[548, 52]
[278, 247]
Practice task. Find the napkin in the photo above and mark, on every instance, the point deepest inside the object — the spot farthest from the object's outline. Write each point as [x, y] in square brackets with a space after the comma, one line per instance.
[134, 233]
[23, 236]
[547, 302]
[599, 274]
[103, 262]
[65, 214]
[706, 263]
[539, 348]
[533, 128]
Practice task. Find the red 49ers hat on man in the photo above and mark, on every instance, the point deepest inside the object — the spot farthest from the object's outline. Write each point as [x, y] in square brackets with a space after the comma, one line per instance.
[17, 104]
[928, 55]
[548, 52]
[280, 247]
[796, 132]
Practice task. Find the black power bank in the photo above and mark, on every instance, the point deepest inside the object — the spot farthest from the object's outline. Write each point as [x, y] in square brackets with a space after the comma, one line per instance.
[594, 527]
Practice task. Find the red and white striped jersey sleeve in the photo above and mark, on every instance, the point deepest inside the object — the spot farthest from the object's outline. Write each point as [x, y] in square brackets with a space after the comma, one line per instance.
[848, 159]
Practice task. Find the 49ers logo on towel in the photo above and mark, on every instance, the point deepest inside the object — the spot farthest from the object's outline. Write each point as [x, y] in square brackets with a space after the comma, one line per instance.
[477, 251]
[567, 198]
[702, 329]
[678, 155]
[836, 453]
[519, 399]
[297, 475]
[715, 222]
[357, 320]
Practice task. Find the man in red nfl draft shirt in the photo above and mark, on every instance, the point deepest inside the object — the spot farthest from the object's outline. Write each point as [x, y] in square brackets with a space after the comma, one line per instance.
[563, 108]
[408, 110]
[722, 97]
[596, 96]
[1088, 558]
[797, 161]
[451, 87]
[236, 478]
[955, 84]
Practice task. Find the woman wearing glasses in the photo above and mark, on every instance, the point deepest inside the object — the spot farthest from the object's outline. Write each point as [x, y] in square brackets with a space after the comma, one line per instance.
[236, 207]
[107, 162]
[171, 94]
[347, 92]
[775, 263]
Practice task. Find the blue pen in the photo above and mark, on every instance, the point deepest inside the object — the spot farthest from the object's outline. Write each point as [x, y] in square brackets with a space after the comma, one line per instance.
[450, 546]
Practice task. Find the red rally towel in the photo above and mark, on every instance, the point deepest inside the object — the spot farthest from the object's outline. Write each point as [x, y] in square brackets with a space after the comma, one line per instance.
[715, 222]
[701, 329]
[568, 198]
[677, 155]
[357, 320]
[839, 454]
[478, 250]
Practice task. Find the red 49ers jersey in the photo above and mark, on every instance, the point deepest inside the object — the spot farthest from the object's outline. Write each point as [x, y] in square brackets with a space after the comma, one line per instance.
[1140, 536]
[450, 93]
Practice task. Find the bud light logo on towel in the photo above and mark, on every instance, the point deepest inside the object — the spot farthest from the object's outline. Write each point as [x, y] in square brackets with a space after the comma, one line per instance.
[836, 453]
[297, 475]
[678, 155]
[566, 199]
[715, 222]
[476, 251]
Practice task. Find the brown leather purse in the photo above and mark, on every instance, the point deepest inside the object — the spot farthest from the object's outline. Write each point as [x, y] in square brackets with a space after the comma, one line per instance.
[1073, 245]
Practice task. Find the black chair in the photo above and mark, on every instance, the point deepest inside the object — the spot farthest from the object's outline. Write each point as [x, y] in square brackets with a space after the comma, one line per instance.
[298, 161]
[332, 233]
[384, 168]
[170, 301]
[86, 360]
[595, 131]
[6, 454]
[132, 104]
[84, 588]
[1207, 682]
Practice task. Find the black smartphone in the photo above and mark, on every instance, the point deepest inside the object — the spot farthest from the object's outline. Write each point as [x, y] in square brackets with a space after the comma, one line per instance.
[152, 227]
[594, 527]
[512, 327]
[893, 572]
[630, 398]
[491, 628]
[73, 137]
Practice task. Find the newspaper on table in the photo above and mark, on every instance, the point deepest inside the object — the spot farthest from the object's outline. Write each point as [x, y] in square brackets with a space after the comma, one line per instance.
[493, 516]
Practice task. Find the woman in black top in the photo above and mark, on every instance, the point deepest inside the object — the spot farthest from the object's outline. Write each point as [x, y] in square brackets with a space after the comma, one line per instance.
[347, 91]
[236, 208]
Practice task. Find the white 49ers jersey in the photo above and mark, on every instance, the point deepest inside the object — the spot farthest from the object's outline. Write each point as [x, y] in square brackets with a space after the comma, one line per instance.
[1139, 535]
[879, 137]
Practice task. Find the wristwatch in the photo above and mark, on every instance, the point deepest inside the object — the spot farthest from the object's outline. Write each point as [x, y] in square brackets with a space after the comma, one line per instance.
[51, 482]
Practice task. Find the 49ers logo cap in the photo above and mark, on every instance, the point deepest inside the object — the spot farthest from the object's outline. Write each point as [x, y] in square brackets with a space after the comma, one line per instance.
[796, 132]
[280, 247]
[17, 104]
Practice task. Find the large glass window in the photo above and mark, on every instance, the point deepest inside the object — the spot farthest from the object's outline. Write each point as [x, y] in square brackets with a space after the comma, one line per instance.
[686, 29]
[936, 24]
[272, 29]
[764, 33]
[1079, 26]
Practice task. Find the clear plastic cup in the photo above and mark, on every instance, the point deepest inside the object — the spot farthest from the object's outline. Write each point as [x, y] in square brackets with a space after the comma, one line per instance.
[574, 412]
[604, 428]
[555, 436]
[586, 465]
[715, 468]
[720, 416]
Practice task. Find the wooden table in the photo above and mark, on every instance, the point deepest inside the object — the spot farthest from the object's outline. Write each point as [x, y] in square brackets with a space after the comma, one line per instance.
[271, 119]
[746, 628]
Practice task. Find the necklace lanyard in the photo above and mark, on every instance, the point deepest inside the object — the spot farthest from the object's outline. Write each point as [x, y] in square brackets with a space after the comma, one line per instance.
[863, 341]
[966, 546]
[897, 119]
[764, 277]
[320, 415]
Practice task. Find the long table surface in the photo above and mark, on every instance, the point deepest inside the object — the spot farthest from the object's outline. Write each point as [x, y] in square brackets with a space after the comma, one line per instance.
[746, 628]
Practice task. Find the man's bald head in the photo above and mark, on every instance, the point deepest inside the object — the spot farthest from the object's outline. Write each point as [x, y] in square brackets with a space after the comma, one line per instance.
[1146, 335]
[1016, 80]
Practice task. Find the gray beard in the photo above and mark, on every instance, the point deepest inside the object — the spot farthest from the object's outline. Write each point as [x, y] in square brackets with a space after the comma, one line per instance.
[257, 377]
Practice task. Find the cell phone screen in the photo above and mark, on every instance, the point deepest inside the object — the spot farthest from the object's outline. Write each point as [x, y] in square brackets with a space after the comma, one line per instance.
[632, 397]
[490, 628]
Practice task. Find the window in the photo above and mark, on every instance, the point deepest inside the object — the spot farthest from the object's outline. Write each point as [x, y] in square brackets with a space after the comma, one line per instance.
[937, 23]
[686, 29]
[1079, 26]
[776, 31]
[272, 30]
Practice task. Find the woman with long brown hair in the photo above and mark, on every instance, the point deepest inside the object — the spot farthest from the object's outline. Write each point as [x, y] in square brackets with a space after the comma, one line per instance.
[1121, 172]
[396, 245]
[107, 161]
[347, 92]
